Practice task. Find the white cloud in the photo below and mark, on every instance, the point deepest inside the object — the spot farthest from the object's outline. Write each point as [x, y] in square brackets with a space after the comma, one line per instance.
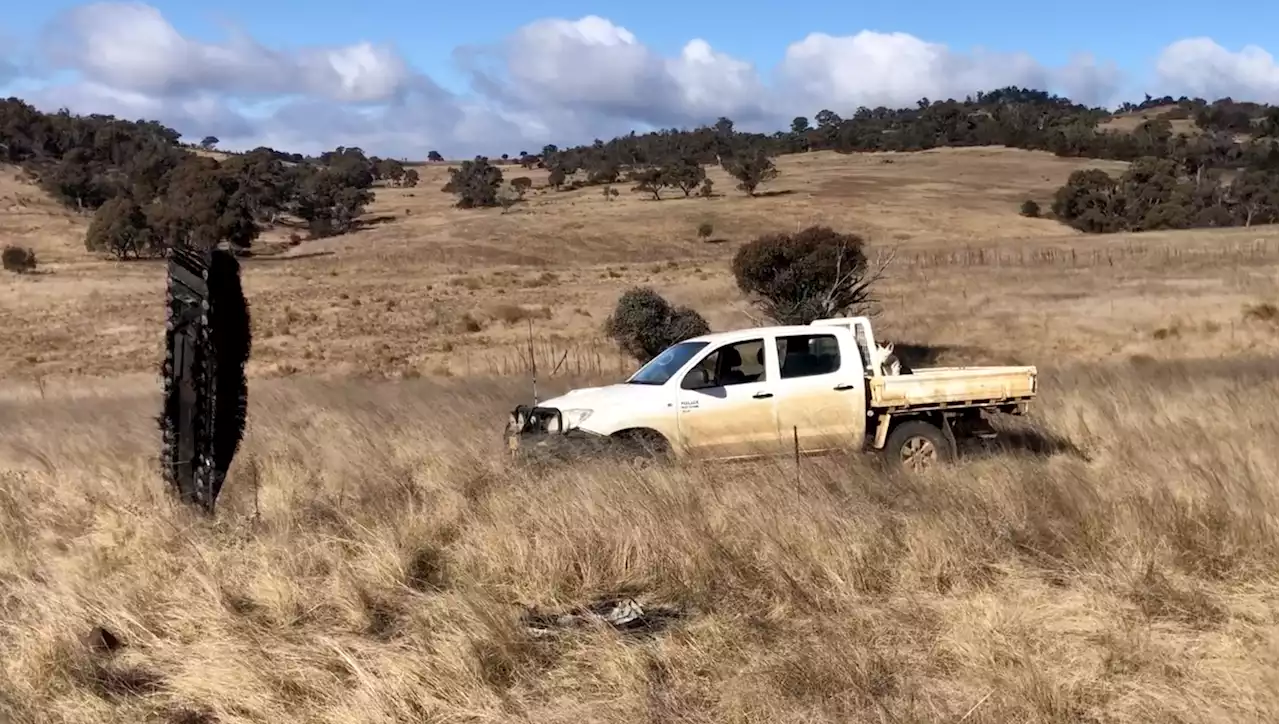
[599, 71]
[1201, 67]
[1086, 80]
[891, 69]
[552, 81]
[132, 47]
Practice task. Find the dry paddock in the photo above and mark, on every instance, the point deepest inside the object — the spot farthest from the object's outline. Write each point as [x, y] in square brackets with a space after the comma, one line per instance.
[374, 552]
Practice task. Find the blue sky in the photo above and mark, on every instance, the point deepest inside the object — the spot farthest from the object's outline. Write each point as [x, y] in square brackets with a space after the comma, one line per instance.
[544, 103]
[1132, 35]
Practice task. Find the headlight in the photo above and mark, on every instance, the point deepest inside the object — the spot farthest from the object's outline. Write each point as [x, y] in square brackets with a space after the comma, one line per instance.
[574, 418]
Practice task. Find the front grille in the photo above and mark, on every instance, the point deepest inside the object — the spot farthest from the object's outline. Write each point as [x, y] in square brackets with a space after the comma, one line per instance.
[538, 420]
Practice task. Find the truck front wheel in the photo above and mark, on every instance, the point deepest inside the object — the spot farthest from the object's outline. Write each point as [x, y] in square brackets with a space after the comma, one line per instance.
[642, 447]
[916, 446]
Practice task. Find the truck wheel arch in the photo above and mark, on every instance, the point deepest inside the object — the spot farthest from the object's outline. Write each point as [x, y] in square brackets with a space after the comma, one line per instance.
[647, 438]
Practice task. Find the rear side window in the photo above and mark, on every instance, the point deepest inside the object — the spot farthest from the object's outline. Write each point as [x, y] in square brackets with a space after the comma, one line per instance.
[806, 355]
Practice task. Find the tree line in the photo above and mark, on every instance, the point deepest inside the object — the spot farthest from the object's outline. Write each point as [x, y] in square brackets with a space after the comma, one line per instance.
[1222, 174]
[147, 192]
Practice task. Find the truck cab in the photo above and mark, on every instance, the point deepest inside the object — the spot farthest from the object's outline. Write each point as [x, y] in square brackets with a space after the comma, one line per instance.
[799, 389]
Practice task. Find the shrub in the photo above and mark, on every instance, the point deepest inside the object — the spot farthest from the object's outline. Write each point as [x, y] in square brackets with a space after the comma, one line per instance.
[705, 230]
[1090, 202]
[121, 228]
[18, 259]
[1160, 193]
[508, 196]
[1030, 209]
[812, 274]
[1262, 312]
[475, 183]
[644, 324]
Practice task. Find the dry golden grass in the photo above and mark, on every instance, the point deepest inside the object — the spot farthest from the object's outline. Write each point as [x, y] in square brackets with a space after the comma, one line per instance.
[432, 290]
[1121, 568]
[373, 550]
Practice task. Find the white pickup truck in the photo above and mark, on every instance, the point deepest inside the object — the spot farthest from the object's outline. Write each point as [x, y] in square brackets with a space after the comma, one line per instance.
[781, 390]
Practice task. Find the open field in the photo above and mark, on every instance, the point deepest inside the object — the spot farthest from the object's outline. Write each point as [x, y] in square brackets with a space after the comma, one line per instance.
[373, 550]
[1124, 122]
[438, 290]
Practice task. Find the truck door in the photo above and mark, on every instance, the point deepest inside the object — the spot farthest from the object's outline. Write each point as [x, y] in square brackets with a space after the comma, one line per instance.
[820, 396]
[726, 403]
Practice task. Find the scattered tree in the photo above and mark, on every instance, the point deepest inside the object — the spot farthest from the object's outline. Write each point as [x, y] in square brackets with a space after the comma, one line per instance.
[208, 142]
[683, 172]
[1223, 173]
[203, 205]
[169, 195]
[121, 229]
[650, 181]
[475, 183]
[329, 204]
[751, 169]
[643, 323]
[813, 274]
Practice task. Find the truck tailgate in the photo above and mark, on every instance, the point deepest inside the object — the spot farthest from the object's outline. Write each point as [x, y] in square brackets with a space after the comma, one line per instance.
[953, 387]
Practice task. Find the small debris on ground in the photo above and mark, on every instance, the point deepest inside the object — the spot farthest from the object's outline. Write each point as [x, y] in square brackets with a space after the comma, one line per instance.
[622, 614]
[100, 640]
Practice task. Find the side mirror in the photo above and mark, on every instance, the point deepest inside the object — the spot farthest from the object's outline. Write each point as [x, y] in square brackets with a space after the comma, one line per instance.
[697, 378]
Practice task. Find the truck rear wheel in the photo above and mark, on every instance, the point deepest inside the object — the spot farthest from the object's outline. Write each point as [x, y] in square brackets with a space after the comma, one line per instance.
[916, 446]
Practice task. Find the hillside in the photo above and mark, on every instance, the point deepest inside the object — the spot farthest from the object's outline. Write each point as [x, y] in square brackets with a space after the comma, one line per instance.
[376, 556]
[435, 290]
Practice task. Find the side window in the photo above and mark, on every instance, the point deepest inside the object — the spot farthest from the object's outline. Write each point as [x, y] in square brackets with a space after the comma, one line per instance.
[806, 355]
[732, 364]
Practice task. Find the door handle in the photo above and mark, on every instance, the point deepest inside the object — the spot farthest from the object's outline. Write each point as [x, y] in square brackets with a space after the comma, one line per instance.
[842, 388]
[762, 395]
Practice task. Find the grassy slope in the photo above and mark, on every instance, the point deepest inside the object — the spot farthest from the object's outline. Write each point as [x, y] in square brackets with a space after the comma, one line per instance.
[1118, 564]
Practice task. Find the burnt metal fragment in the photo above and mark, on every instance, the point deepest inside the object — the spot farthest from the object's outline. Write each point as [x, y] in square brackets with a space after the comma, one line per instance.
[207, 344]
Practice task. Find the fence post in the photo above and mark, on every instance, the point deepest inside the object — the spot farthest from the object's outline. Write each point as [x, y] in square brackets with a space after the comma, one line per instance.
[795, 445]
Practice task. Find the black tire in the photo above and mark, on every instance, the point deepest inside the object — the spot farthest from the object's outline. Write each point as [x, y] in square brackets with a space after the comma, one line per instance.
[915, 446]
[641, 448]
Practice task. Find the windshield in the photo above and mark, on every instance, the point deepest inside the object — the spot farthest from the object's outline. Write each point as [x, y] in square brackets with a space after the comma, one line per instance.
[660, 369]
